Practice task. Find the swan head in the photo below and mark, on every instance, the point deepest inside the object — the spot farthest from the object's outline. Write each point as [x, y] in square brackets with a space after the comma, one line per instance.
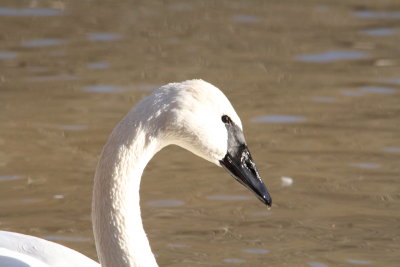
[198, 117]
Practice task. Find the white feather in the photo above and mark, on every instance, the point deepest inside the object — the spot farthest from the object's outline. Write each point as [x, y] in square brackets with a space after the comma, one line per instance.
[187, 114]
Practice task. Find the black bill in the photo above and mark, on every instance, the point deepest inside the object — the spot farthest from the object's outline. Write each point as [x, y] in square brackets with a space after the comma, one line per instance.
[239, 163]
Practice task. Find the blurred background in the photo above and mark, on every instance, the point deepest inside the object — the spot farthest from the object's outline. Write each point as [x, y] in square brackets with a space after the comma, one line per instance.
[316, 83]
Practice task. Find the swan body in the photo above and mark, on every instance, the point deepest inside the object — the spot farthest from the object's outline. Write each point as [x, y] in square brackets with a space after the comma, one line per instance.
[194, 115]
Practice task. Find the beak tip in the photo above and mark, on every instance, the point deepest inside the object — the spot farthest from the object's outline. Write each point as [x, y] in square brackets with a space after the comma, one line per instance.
[267, 200]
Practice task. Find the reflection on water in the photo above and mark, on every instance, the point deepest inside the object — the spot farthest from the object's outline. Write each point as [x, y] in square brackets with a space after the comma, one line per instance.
[103, 36]
[332, 56]
[178, 245]
[234, 260]
[6, 178]
[166, 203]
[394, 81]
[379, 32]
[97, 65]
[366, 165]
[316, 264]
[378, 90]
[279, 119]
[23, 12]
[256, 251]
[103, 88]
[370, 14]
[392, 149]
[354, 261]
[42, 42]
[324, 99]
[369, 90]
[7, 55]
[246, 18]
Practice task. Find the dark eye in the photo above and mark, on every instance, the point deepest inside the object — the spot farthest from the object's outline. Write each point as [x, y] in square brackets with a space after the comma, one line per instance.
[225, 119]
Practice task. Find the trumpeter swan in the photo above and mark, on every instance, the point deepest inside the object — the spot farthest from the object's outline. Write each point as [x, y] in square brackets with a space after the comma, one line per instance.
[192, 114]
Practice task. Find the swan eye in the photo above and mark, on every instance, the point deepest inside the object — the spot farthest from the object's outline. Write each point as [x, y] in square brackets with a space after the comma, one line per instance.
[225, 119]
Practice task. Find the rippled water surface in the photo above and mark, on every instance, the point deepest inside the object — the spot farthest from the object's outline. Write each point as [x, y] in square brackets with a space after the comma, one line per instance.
[317, 87]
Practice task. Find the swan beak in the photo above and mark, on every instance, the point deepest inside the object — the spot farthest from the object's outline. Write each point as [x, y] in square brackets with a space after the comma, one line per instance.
[242, 167]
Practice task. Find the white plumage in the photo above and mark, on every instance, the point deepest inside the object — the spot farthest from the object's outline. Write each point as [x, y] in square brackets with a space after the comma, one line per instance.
[187, 114]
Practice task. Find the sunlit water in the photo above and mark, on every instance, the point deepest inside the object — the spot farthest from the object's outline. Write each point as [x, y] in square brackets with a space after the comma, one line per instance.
[316, 84]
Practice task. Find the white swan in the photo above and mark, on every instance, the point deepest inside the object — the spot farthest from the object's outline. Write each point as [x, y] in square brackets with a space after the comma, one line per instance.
[194, 115]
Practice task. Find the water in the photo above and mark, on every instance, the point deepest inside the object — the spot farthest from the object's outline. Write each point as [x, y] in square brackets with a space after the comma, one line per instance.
[379, 32]
[42, 42]
[103, 88]
[29, 12]
[331, 56]
[7, 55]
[104, 36]
[316, 85]
[279, 119]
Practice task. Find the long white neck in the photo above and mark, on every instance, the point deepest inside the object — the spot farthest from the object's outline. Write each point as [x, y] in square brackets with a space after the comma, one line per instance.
[118, 229]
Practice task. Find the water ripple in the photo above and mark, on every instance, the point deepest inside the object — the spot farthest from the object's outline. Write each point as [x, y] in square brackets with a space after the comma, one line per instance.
[23, 12]
[103, 36]
[316, 264]
[379, 32]
[331, 56]
[42, 42]
[256, 251]
[369, 14]
[7, 55]
[7, 178]
[166, 203]
[279, 119]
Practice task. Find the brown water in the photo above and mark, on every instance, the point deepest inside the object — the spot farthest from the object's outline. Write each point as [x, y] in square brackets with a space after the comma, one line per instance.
[316, 83]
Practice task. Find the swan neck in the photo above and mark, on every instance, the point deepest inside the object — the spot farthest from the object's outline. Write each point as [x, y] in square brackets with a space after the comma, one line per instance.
[117, 223]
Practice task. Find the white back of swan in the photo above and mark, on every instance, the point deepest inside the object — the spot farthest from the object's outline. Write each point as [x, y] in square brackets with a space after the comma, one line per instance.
[187, 114]
[24, 250]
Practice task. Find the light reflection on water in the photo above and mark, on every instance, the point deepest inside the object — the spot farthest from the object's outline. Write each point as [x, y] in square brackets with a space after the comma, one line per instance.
[43, 42]
[316, 264]
[234, 260]
[369, 90]
[332, 56]
[355, 261]
[103, 88]
[98, 65]
[25, 12]
[392, 149]
[279, 119]
[246, 18]
[379, 32]
[370, 14]
[6, 178]
[256, 251]
[324, 99]
[365, 165]
[103, 36]
[7, 55]
[378, 90]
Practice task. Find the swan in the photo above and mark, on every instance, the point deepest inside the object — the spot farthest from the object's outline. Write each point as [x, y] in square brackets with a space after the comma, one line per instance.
[192, 114]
